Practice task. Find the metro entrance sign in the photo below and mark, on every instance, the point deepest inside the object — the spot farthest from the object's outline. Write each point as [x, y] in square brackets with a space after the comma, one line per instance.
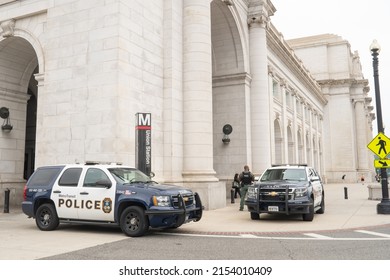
[380, 145]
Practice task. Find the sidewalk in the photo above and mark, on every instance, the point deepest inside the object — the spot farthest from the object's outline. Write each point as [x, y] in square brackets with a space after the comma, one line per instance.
[340, 213]
[20, 239]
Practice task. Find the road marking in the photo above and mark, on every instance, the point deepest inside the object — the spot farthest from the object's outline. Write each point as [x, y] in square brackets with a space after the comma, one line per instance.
[373, 233]
[248, 236]
[318, 236]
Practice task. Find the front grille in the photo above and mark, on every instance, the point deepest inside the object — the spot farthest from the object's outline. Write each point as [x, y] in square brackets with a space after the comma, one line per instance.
[275, 194]
[189, 200]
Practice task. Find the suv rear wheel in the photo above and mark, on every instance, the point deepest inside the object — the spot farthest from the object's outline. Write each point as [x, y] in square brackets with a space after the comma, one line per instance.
[46, 217]
[322, 205]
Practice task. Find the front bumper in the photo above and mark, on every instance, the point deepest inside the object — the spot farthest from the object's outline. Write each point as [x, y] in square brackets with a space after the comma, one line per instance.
[174, 217]
[284, 207]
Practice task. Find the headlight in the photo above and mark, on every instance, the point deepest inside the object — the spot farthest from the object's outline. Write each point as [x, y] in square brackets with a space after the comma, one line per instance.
[252, 193]
[161, 200]
[300, 192]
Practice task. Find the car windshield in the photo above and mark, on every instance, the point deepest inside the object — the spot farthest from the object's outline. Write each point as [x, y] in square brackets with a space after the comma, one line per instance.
[290, 174]
[128, 175]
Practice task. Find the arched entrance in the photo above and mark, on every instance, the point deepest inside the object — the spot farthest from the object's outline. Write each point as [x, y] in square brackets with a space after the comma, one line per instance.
[231, 87]
[18, 93]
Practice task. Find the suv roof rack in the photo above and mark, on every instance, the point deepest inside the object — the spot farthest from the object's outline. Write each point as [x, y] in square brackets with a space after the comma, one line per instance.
[289, 164]
[102, 162]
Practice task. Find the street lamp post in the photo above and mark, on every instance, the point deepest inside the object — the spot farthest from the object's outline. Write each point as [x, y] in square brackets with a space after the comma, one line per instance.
[384, 206]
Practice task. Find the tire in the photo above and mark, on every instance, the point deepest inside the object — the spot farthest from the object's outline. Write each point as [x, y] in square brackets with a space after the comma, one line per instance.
[134, 222]
[322, 205]
[309, 216]
[46, 217]
[255, 216]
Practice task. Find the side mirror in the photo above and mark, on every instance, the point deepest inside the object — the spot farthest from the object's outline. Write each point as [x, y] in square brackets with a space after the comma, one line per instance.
[104, 183]
[314, 178]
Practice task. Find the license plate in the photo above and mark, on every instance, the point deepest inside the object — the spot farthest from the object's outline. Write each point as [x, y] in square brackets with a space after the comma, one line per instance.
[273, 208]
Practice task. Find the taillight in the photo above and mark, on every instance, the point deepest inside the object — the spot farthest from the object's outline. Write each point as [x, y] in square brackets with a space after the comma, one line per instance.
[25, 193]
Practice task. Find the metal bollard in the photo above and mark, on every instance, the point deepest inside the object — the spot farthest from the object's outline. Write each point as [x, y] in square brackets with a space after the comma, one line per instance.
[232, 196]
[345, 193]
[6, 200]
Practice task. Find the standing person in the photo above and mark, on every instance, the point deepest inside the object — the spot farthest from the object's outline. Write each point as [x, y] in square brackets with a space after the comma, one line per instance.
[236, 185]
[246, 179]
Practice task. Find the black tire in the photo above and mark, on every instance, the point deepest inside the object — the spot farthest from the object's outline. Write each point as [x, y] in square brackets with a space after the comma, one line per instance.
[255, 216]
[134, 222]
[309, 216]
[322, 205]
[46, 217]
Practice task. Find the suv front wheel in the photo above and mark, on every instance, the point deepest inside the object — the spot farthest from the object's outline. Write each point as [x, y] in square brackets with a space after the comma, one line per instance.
[309, 216]
[134, 222]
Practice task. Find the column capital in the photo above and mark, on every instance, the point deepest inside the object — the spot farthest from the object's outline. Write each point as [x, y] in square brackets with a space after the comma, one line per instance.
[259, 19]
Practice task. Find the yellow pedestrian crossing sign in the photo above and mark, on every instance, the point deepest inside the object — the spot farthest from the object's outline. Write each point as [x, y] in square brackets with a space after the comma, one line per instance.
[380, 145]
[382, 163]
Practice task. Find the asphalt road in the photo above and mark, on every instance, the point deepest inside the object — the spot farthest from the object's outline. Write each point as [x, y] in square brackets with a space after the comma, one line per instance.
[372, 244]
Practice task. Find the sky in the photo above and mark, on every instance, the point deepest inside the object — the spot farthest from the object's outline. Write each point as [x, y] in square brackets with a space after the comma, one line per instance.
[358, 21]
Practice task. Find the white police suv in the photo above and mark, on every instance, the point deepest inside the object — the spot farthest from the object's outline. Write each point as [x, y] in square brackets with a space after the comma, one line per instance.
[287, 189]
[106, 194]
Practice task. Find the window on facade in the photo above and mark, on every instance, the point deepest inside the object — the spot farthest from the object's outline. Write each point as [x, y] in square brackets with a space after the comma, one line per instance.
[299, 107]
[275, 89]
[70, 178]
[307, 114]
[288, 99]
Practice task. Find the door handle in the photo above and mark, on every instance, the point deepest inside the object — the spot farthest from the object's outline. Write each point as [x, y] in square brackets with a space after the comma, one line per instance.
[84, 193]
[56, 191]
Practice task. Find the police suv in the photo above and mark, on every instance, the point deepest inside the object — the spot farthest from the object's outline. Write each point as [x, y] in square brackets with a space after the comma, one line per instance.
[287, 189]
[107, 194]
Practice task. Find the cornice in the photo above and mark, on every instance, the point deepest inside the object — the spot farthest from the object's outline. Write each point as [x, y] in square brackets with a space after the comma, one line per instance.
[276, 42]
[345, 82]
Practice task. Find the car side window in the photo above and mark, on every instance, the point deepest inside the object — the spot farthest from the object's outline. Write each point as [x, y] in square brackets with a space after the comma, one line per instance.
[70, 177]
[94, 175]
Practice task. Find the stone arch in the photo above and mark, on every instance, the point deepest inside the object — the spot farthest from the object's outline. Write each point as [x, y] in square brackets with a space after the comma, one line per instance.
[278, 142]
[300, 147]
[290, 145]
[308, 150]
[21, 58]
[230, 89]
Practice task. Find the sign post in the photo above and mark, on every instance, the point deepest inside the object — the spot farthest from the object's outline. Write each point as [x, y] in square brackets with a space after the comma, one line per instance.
[143, 144]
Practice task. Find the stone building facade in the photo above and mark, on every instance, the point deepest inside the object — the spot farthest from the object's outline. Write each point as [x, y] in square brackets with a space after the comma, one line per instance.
[75, 73]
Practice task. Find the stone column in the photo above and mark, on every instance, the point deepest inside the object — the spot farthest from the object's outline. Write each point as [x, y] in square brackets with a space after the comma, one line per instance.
[259, 99]
[173, 90]
[361, 141]
[198, 172]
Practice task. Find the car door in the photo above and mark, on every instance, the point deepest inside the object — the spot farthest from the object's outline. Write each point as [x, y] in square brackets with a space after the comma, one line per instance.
[65, 193]
[97, 200]
[316, 183]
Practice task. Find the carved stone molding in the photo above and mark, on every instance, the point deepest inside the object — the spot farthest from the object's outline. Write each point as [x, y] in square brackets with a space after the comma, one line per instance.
[271, 70]
[260, 19]
[40, 78]
[7, 28]
[228, 2]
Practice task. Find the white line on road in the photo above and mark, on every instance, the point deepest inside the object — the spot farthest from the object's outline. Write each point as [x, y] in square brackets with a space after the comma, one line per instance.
[373, 233]
[318, 236]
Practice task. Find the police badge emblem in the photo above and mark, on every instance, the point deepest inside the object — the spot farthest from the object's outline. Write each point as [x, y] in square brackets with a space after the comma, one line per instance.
[107, 205]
